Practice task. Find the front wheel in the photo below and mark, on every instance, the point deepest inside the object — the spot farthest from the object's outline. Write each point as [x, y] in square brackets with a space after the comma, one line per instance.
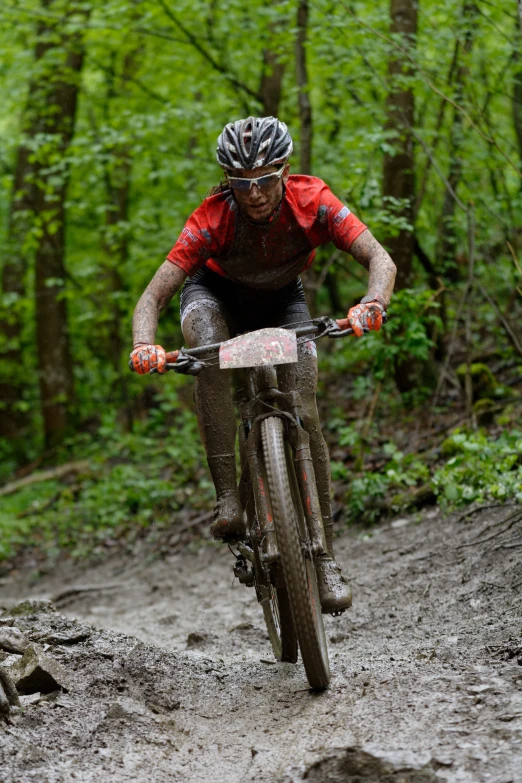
[298, 566]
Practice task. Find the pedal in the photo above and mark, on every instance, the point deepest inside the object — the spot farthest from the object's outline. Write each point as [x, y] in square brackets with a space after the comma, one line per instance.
[243, 572]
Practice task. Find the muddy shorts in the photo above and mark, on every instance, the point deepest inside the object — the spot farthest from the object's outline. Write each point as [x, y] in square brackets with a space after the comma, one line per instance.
[244, 309]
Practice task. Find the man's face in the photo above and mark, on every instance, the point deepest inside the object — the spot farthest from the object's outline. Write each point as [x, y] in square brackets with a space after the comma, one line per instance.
[259, 203]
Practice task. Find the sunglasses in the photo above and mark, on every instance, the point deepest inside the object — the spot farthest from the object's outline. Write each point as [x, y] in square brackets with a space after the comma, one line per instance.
[265, 182]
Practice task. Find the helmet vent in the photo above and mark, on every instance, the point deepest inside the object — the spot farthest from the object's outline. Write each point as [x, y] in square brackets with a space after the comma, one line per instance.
[254, 142]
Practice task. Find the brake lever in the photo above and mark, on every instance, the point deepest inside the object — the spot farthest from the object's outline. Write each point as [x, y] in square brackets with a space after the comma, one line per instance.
[334, 334]
[193, 368]
[186, 365]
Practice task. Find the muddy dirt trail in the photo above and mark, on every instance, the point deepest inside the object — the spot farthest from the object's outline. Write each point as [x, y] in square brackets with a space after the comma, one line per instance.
[166, 673]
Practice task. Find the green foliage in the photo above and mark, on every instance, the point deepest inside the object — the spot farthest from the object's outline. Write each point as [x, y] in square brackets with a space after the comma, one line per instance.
[480, 468]
[413, 316]
[367, 490]
[136, 481]
[473, 467]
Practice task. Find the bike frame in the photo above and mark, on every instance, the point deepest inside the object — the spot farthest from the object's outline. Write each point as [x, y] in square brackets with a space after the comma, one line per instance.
[262, 398]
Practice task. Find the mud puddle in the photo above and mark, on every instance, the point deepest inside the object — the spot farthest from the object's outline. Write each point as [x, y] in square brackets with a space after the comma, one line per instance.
[162, 670]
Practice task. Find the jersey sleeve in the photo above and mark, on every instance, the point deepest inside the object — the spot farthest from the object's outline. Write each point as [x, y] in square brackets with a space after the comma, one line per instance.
[206, 233]
[333, 221]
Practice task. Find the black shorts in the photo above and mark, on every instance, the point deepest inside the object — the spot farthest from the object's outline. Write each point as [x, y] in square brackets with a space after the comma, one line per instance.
[244, 309]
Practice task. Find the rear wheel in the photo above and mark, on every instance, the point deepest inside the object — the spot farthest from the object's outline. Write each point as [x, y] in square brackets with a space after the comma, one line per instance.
[296, 559]
[280, 625]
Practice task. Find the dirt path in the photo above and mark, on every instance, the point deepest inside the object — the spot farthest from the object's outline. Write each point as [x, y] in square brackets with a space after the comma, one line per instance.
[175, 681]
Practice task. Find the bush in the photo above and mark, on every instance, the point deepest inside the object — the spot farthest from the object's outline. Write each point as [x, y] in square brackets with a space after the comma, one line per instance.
[480, 468]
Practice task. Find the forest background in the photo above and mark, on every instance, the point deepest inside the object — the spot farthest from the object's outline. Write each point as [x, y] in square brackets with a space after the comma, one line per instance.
[410, 111]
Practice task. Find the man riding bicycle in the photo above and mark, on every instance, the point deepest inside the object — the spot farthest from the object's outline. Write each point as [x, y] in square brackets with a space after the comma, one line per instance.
[242, 251]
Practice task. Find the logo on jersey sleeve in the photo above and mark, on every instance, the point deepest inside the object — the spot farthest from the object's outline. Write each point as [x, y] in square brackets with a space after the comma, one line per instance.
[185, 235]
[341, 215]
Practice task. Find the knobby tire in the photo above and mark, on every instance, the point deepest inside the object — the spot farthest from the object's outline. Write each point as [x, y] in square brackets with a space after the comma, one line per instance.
[298, 569]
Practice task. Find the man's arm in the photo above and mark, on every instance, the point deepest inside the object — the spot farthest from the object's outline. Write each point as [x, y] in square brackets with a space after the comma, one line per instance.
[368, 252]
[166, 282]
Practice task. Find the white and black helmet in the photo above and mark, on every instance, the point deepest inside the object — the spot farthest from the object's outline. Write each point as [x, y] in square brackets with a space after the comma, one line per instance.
[254, 142]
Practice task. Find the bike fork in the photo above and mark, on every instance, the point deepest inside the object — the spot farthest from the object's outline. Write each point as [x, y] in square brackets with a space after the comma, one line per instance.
[262, 383]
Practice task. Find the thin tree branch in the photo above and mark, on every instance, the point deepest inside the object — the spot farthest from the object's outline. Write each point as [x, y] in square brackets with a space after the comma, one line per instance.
[471, 279]
[438, 126]
[496, 6]
[127, 78]
[427, 80]
[48, 16]
[497, 29]
[451, 347]
[191, 38]
[507, 328]
[437, 168]
[515, 259]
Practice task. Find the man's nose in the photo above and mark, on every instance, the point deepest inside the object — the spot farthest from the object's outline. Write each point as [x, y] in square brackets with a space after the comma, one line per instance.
[255, 191]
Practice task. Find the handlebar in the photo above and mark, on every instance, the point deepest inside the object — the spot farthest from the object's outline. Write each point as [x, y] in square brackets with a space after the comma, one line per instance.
[185, 360]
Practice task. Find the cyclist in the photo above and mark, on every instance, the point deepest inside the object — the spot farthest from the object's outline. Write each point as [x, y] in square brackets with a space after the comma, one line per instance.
[242, 251]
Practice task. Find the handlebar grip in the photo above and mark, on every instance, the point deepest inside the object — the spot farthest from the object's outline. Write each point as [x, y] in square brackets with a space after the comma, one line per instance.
[172, 358]
[343, 323]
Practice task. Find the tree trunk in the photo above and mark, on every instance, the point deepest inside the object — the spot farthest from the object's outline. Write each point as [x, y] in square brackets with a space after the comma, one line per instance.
[271, 83]
[399, 173]
[12, 418]
[517, 88]
[446, 246]
[116, 248]
[115, 243]
[59, 87]
[305, 108]
[305, 130]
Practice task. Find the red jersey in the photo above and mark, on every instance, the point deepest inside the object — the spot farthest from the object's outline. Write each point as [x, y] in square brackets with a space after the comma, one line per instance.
[265, 255]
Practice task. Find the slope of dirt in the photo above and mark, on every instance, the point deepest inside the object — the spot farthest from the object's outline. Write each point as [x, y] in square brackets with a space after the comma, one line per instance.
[170, 676]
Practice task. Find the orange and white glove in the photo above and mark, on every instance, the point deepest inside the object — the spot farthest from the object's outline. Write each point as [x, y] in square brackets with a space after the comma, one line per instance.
[146, 357]
[366, 315]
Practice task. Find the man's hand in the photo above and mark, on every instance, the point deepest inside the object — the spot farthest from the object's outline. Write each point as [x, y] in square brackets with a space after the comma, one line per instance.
[366, 316]
[145, 358]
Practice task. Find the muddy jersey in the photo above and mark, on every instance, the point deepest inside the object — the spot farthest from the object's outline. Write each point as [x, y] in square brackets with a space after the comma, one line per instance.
[270, 255]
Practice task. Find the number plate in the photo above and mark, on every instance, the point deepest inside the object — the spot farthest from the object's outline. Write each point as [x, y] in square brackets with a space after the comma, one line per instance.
[255, 349]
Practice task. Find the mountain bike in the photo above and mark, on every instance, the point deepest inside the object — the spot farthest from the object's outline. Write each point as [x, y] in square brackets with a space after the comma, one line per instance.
[277, 488]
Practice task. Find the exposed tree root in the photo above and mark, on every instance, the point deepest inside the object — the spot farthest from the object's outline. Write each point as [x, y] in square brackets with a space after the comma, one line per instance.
[513, 521]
